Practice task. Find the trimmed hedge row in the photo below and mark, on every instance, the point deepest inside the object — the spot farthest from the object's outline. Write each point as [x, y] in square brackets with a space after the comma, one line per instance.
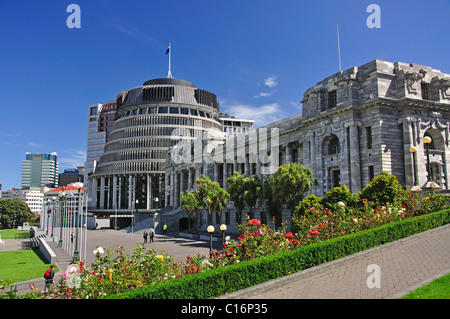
[218, 282]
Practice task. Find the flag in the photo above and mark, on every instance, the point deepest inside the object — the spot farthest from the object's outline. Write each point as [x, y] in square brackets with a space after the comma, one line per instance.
[168, 49]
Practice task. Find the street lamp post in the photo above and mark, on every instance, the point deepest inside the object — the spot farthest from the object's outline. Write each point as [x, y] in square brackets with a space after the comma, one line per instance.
[62, 199]
[49, 211]
[132, 221]
[427, 141]
[76, 253]
[413, 151]
[210, 230]
[223, 228]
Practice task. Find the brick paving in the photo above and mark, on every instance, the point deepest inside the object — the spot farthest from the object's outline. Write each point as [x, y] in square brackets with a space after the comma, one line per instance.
[404, 265]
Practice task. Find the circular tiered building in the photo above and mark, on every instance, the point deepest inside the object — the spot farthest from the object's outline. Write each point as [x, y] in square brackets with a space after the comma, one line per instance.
[149, 119]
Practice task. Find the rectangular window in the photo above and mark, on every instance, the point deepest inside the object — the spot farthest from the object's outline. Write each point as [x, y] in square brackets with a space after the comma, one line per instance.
[371, 173]
[369, 137]
[184, 110]
[173, 110]
[425, 91]
[332, 101]
[163, 110]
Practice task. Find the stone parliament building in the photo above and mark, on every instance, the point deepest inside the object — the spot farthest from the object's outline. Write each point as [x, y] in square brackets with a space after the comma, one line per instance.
[354, 125]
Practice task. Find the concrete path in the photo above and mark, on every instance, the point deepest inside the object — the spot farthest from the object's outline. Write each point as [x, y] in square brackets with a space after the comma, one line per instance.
[403, 266]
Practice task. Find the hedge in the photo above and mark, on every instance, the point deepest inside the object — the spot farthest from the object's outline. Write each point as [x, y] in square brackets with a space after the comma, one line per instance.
[220, 281]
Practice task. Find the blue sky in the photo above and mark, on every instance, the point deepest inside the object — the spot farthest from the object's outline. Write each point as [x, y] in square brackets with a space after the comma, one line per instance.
[257, 56]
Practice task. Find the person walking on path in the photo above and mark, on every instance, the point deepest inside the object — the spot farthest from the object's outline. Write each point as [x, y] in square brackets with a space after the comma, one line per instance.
[49, 274]
[152, 234]
[164, 229]
[145, 236]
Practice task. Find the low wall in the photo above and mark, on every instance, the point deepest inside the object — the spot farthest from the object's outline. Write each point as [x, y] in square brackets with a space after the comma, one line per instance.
[46, 251]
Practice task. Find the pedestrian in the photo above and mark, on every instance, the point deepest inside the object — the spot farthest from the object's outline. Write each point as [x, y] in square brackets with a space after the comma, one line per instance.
[152, 234]
[145, 236]
[164, 229]
[49, 274]
[71, 238]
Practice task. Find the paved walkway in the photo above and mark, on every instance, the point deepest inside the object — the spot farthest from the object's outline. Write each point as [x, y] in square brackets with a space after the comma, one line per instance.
[404, 266]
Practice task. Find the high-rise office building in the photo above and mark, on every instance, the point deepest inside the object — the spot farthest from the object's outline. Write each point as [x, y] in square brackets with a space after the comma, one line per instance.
[101, 120]
[39, 170]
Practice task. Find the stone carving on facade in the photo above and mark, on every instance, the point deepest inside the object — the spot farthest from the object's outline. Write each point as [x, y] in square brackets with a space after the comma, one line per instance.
[444, 86]
[412, 78]
[435, 123]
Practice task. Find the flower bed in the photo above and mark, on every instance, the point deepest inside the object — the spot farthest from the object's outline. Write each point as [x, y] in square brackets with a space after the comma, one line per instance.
[220, 281]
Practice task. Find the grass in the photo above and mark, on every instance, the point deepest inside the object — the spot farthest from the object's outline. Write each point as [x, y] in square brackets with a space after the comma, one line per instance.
[21, 265]
[9, 233]
[437, 289]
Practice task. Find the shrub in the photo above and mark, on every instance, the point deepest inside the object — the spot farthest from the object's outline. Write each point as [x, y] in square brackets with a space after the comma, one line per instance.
[311, 201]
[383, 189]
[339, 194]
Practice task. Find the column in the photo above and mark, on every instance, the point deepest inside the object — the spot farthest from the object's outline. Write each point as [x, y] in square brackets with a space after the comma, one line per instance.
[407, 156]
[114, 192]
[172, 189]
[102, 192]
[355, 166]
[190, 179]
[182, 181]
[130, 192]
[149, 191]
[176, 193]
[288, 153]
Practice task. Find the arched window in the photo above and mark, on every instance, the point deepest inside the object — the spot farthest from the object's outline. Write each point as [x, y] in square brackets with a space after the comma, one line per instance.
[334, 147]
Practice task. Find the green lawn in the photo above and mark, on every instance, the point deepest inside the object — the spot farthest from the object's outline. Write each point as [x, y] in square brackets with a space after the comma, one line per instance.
[8, 233]
[21, 265]
[437, 289]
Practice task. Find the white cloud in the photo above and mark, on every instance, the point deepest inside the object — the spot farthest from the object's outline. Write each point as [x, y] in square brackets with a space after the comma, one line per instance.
[262, 115]
[71, 158]
[271, 81]
[263, 94]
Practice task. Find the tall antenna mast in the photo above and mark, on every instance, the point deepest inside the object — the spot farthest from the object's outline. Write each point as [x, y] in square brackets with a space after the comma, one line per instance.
[339, 48]
[169, 51]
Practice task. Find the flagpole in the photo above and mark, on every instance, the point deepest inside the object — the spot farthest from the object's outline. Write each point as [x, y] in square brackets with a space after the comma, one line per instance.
[169, 75]
[339, 48]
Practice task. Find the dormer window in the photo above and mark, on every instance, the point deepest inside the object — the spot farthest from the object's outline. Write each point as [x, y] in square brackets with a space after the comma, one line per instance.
[425, 87]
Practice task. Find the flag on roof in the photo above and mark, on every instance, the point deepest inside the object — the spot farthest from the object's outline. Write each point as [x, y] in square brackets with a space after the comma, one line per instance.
[168, 49]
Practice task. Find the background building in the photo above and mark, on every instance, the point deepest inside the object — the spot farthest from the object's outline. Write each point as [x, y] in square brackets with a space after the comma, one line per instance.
[100, 122]
[40, 170]
[70, 176]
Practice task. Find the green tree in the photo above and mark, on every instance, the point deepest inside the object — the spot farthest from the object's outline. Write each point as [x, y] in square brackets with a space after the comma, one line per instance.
[192, 205]
[287, 186]
[236, 190]
[13, 213]
[214, 196]
[252, 190]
